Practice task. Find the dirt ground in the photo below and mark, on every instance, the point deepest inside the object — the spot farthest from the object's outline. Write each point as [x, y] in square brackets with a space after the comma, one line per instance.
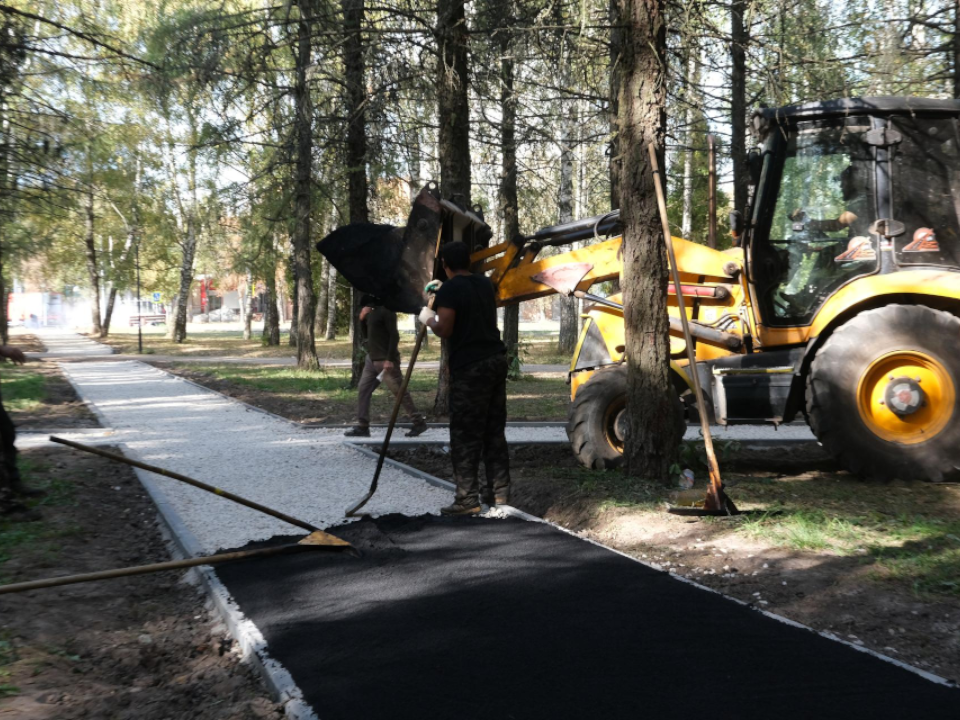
[146, 647]
[832, 593]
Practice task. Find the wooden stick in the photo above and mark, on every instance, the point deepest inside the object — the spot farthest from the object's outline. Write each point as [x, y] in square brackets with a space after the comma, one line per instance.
[715, 496]
[189, 481]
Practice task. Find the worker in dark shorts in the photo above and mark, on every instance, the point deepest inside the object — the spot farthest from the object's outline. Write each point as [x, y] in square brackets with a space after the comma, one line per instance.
[466, 315]
[378, 328]
[12, 488]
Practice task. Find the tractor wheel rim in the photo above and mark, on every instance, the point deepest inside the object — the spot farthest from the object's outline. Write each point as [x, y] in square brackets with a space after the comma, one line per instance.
[914, 419]
[612, 419]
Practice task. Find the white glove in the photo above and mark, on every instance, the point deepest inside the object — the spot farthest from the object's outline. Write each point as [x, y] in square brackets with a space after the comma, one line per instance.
[426, 315]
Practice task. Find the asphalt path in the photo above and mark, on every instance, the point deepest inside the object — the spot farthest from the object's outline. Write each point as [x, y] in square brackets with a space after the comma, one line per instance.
[475, 618]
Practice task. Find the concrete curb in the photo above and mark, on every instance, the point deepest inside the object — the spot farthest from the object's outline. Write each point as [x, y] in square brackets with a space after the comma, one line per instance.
[514, 512]
[247, 635]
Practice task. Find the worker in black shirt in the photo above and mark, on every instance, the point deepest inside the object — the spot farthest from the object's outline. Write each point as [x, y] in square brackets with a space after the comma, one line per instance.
[466, 315]
[378, 328]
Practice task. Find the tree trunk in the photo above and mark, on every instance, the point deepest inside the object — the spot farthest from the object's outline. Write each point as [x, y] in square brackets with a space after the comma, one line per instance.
[271, 316]
[692, 69]
[616, 39]
[955, 49]
[568, 305]
[332, 304]
[323, 302]
[296, 305]
[93, 272]
[108, 313]
[738, 103]
[186, 280]
[246, 308]
[356, 154]
[508, 188]
[453, 115]
[305, 300]
[652, 440]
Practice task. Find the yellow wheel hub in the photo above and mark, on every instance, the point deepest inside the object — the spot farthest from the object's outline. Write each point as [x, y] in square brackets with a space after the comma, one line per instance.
[906, 397]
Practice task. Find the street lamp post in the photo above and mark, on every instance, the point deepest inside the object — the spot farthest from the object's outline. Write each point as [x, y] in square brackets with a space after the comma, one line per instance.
[139, 307]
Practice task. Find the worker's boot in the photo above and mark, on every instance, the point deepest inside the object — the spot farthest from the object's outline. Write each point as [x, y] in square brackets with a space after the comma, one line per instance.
[358, 431]
[461, 508]
[419, 426]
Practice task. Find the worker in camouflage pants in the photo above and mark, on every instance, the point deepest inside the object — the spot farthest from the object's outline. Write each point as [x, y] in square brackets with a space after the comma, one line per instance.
[466, 316]
[478, 417]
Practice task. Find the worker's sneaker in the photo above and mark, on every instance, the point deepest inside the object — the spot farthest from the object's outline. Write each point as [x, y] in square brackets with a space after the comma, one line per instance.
[459, 509]
[419, 427]
[358, 431]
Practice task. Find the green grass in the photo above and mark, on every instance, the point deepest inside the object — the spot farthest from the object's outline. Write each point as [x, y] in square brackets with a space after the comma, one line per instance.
[909, 533]
[532, 397]
[23, 389]
[537, 348]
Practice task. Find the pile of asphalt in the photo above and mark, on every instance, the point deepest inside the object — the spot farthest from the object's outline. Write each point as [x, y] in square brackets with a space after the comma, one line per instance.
[481, 618]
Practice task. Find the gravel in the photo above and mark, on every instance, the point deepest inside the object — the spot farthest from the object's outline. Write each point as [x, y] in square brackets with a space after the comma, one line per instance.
[309, 474]
[305, 472]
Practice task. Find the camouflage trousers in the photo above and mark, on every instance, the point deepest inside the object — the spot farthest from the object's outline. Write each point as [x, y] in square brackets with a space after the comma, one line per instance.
[478, 417]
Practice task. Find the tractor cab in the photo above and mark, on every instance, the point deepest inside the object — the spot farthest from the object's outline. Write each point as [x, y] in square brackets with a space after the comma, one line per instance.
[850, 189]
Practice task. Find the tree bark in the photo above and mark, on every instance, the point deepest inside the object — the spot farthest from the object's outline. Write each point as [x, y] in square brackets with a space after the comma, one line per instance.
[305, 300]
[454, 138]
[508, 186]
[271, 316]
[356, 153]
[739, 38]
[323, 302]
[955, 49]
[186, 279]
[651, 442]
[616, 39]
[692, 70]
[295, 312]
[246, 307]
[568, 305]
[332, 304]
[93, 272]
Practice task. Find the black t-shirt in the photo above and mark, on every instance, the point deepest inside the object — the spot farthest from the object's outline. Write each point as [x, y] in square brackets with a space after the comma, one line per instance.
[475, 333]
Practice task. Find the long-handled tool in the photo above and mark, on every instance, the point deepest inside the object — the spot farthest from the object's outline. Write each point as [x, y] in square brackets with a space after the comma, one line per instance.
[316, 540]
[189, 481]
[352, 511]
[716, 501]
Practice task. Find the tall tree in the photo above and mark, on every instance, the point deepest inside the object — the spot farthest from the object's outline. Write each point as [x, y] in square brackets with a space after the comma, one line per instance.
[306, 301]
[454, 138]
[651, 443]
[508, 179]
[356, 149]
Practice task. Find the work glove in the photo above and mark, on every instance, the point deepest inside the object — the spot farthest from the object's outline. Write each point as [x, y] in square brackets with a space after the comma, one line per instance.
[426, 315]
[432, 286]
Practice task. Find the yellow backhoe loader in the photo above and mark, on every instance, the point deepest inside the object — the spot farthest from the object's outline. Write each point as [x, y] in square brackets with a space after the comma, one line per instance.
[841, 304]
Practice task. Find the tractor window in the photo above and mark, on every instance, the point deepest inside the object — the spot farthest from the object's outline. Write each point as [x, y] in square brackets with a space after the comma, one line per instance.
[819, 235]
[926, 191]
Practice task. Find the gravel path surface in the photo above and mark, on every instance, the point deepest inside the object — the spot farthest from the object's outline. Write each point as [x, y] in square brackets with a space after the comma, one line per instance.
[305, 472]
[166, 421]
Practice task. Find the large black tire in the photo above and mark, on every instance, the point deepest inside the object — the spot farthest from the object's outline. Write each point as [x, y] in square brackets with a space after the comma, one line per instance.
[592, 426]
[861, 361]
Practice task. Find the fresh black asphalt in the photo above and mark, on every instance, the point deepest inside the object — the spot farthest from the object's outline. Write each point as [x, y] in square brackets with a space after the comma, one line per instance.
[482, 618]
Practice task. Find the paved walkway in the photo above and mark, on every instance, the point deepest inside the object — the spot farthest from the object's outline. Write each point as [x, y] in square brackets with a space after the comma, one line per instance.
[307, 472]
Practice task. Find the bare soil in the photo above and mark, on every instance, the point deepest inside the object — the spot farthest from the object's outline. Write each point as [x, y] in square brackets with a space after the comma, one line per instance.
[843, 595]
[146, 647]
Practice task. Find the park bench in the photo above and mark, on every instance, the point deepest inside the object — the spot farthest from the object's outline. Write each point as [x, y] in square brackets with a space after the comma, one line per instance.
[147, 320]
